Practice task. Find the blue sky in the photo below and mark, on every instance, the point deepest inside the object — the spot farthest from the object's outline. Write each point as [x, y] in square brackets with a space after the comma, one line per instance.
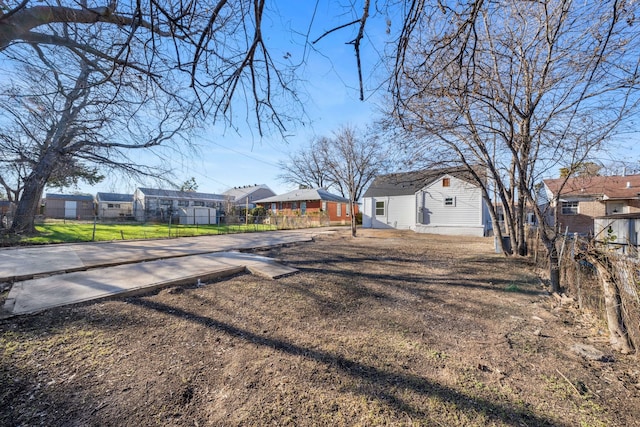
[329, 88]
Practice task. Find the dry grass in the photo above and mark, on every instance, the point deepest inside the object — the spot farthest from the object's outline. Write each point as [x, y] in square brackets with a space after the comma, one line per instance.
[390, 328]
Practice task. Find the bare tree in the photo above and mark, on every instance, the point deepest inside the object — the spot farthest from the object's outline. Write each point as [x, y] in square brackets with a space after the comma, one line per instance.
[305, 167]
[217, 48]
[347, 162]
[354, 161]
[517, 88]
[64, 120]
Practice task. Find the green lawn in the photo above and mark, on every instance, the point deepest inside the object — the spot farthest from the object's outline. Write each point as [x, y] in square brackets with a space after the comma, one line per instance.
[72, 231]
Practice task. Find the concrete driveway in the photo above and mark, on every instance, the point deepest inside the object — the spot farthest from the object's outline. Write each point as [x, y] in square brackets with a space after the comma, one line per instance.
[54, 275]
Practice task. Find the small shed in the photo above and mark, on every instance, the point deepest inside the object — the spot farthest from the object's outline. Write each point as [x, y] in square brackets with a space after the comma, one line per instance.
[620, 230]
[69, 206]
[198, 215]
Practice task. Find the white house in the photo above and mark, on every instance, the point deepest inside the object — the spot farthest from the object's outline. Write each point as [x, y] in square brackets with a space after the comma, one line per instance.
[444, 201]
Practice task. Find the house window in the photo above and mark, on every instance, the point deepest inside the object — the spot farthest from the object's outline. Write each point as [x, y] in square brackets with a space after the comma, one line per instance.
[303, 208]
[324, 206]
[113, 205]
[339, 209]
[110, 205]
[274, 209]
[446, 182]
[198, 203]
[183, 203]
[615, 208]
[569, 208]
[294, 206]
[449, 201]
[379, 208]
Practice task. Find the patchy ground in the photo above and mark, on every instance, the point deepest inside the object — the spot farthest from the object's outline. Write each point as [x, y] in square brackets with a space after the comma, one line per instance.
[391, 328]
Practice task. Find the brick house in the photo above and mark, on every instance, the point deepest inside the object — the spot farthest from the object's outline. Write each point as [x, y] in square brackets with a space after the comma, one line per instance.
[309, 202]
[581, 199]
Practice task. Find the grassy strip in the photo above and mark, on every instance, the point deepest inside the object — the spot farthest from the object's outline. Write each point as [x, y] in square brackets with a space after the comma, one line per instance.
[72, 231]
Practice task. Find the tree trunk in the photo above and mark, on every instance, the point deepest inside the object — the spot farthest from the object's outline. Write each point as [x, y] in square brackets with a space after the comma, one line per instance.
[612, 304]
[520, 224]
[353, 218]
[29, 203]
[554, 266]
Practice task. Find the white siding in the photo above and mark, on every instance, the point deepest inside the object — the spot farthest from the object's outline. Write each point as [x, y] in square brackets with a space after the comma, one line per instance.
[367, 213]
[465, 212]
[401, 212]
[463, 217]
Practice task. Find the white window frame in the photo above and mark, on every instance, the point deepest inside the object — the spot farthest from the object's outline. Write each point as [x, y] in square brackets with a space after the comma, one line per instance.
[449, 202]
[383, 208]
[570, 207]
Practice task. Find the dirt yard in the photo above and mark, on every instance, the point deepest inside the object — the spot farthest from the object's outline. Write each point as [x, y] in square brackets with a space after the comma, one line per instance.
[390, 328]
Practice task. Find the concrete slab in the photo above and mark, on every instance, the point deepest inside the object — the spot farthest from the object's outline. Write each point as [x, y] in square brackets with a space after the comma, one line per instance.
[34, 295]
[259, 265]
[21, 263]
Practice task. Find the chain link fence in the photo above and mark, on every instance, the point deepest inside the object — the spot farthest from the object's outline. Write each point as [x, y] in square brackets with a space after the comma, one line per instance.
[87, 229]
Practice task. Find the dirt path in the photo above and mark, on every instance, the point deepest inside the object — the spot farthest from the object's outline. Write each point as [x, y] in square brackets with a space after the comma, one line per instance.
[391, 328]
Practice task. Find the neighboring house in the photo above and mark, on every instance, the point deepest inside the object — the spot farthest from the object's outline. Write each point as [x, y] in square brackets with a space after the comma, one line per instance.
[309, 201]
[70, 206]
[246, 196]
[581, 199]
[160, 205]
[114, 205]
[442, 201]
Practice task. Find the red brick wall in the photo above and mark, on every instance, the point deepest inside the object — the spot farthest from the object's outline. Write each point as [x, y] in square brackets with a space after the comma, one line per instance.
[314, 206]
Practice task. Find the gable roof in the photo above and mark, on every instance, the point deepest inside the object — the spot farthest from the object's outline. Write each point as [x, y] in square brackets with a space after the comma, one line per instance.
[240, 192]
[114, 197]
[605, 187]
[408, 183]
[175, 194]
[304, 195]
